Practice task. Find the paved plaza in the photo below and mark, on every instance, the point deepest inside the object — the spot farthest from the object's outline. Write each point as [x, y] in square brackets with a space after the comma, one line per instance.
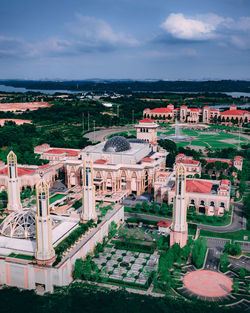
[208, 283]
[126, 266]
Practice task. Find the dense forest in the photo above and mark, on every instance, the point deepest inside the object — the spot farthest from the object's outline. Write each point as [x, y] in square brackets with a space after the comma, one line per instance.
[91, 299]
[130, 85]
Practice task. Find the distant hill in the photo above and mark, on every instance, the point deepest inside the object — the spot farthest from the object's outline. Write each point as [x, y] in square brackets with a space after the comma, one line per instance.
[134, 86]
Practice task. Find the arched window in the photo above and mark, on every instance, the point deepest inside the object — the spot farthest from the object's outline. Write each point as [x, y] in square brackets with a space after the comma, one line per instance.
[212, 203]
[222, 204]
[202, 202]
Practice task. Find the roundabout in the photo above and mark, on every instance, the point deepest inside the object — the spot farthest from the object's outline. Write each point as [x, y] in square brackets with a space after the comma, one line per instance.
[208, 284]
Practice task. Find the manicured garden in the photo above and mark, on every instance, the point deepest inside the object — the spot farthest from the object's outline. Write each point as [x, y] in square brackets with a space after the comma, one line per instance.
[236, 235]
[56, 198]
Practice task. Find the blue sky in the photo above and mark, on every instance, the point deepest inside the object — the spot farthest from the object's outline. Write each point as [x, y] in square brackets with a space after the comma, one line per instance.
[138, 39]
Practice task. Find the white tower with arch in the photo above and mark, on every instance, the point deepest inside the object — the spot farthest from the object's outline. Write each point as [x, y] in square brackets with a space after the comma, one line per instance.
[88, 199]
[147, 130]
[45, 252]
[14, 201]
[179, 228]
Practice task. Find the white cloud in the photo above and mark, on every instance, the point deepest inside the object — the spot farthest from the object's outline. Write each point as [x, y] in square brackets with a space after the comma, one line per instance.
[198, 28]
[96, 32]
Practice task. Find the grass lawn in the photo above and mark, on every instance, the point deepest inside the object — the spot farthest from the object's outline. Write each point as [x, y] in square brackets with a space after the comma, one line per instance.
[192, 229]
[199, 143]
[21, 256]
[56, 197]
[182, 144]
[236, 235]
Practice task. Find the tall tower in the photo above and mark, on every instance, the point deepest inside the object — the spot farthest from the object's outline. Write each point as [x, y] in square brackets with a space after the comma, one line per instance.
[88, 200]
[45, 252]
[179, 233]
[147, 130]
[14, 201]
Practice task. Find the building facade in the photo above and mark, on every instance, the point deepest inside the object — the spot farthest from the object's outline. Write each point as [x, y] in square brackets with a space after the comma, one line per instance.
[233, 116]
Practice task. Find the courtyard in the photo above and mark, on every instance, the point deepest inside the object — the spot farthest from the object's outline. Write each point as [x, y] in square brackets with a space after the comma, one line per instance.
[124, 266]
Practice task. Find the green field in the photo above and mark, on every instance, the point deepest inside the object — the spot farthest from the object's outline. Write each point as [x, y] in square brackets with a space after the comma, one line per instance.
[213, 141]
[236, 235]
[56, 197]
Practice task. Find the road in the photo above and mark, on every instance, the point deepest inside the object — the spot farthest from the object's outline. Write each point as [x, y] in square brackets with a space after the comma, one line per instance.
[242, 262]
[238, 221]
[100, 134]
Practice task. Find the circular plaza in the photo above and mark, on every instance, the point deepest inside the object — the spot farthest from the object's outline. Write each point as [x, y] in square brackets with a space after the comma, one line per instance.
[208, 284]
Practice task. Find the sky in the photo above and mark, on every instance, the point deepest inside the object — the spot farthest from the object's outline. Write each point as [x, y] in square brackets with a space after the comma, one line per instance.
[125, 39]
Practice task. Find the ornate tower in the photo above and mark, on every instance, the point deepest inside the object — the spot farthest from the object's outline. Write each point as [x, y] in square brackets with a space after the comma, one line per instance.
[45, 252]
[147, 130]
[88, 200]
[179, 233]
[14, 201]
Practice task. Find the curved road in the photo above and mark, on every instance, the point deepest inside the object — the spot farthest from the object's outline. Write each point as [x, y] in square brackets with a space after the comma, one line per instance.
[100, 134]
[238, 221]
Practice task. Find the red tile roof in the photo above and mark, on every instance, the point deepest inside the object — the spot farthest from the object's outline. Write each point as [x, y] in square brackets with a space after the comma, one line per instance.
[238, 157]
[146, 120]
[44, 166]
[188, 161]
[225, 182]
[198, 186]
[161, 110]
[234, 112]
[223, 161]
[183, 106]
[195, 110]
[214, 110]
[69, 152]
[147, 160]
[20, 171]
[100, 161]
[223, 187]
[164, 223]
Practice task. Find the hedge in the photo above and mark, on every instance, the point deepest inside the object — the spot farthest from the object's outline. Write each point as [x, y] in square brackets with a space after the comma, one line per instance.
[123, 245]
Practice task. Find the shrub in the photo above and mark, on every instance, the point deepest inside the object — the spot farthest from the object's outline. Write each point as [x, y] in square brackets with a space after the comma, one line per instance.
[108, 258]
[103, 264]
[115, 265]
[124, 254]
[119, 260]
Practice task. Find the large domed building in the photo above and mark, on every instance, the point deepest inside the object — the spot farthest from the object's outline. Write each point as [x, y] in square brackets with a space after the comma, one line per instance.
[117, 144]
[120, 166]
[19, 224]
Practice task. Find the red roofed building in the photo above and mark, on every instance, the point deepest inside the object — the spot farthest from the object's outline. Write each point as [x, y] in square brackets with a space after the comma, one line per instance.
[166, 114]
[192, 166]
[56, 154]
[196, 115]
[147, 130]
[164, 226]
[210, 197]
[29, 175]
[237, 162]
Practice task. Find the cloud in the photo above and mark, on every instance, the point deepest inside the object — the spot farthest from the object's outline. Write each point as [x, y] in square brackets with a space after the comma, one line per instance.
[199, 28]
[94, 32]
[225, 31]
[84, 35]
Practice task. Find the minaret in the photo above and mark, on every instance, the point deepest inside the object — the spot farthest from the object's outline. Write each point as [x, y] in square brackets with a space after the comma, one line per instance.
[178, 232]
[14, 201]
[88, 200]
[45, 252]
